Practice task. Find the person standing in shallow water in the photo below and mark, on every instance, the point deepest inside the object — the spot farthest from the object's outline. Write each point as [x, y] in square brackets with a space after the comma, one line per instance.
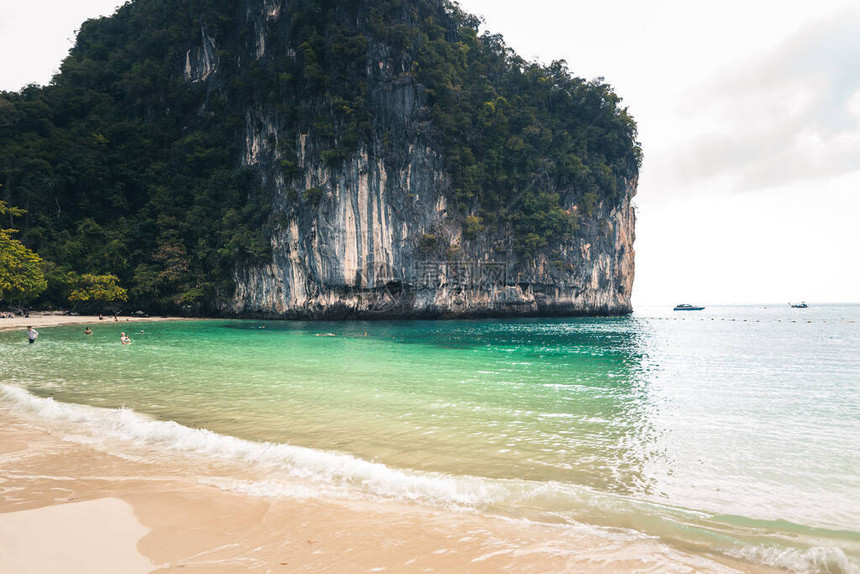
[32, 334]
[123, 339]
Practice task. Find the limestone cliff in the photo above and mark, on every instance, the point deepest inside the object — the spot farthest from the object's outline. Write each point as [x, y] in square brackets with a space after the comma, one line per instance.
[323, 159]
[358, 246]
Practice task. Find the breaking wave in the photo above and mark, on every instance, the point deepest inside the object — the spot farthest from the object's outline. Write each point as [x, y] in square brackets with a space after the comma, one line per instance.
[340, 475]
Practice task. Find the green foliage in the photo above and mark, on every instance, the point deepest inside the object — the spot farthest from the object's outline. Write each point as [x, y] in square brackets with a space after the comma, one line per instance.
[589, 202]
[98, 289]
[472, 226]
[11, 212]
[61, 281]
[539, 219]
[313, 195]
[119, 170]
[21, 275]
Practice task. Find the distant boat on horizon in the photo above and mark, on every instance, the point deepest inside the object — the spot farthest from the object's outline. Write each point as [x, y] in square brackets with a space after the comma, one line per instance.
[801, 305]
[687, 307]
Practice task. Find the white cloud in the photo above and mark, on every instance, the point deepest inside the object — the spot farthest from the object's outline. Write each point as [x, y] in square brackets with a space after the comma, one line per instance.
[789, 116]
[852, 105]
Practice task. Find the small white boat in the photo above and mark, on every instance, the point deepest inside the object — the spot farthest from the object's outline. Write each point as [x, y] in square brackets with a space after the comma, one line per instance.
[687, 307]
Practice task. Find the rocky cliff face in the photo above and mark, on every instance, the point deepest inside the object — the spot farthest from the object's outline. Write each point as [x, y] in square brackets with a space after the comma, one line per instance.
[372, 236]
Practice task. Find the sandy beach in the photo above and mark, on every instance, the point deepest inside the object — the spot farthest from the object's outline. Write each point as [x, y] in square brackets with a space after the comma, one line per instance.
[40, 320]
[70, 505]
[94, 536]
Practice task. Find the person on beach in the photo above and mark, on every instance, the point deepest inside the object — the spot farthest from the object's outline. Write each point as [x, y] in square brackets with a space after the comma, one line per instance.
[88, 331]
[124, 340]
[32, 334]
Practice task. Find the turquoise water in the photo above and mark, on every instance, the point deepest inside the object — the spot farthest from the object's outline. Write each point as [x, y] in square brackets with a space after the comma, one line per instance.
[735, 430]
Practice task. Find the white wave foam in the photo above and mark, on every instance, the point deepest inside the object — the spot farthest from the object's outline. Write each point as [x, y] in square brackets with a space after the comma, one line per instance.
[821, 559]
[337, 475]
[276, 489]
[330, 468]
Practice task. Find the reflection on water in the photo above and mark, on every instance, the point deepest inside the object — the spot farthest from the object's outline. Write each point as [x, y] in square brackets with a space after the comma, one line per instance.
[756, 409]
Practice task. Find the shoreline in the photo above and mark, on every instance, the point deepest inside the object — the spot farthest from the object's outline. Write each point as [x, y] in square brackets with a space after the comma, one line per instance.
[180, 512]
[43, 320]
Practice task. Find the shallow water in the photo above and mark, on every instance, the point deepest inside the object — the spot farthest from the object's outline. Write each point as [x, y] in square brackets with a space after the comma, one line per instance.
[733, 430]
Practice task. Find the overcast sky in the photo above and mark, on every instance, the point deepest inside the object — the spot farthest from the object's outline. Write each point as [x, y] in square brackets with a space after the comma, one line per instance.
[748, 113]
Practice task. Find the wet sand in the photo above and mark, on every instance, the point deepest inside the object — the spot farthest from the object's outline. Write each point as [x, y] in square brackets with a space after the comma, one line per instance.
[166, 515]
[79, 537]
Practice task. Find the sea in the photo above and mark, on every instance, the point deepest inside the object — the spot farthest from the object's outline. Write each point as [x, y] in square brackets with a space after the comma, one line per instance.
[732, 431]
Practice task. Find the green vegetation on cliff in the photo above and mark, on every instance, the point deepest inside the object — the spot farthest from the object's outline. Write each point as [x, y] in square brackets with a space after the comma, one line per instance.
[127, 167]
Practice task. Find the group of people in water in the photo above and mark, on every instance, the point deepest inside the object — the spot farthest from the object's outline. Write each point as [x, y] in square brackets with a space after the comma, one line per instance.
[33, 334]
